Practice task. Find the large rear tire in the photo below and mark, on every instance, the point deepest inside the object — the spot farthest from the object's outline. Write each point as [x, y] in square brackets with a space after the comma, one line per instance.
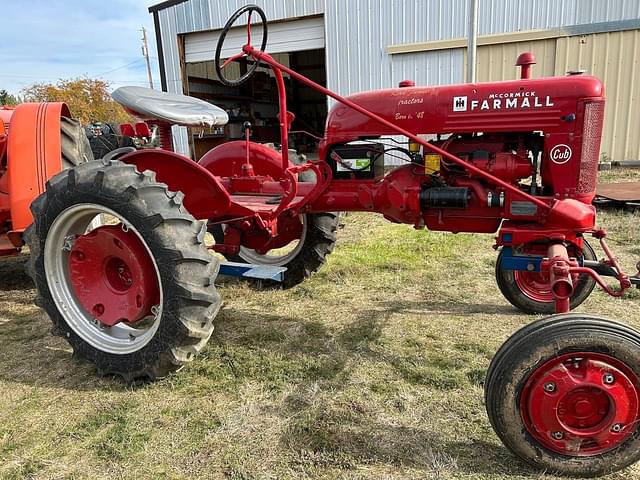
[530, 291]
[74, 143]
[563, 394]
[317, 240]
[152, 251]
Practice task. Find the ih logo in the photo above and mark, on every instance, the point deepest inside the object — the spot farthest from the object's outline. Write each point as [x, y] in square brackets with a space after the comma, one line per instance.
[459, 104]
[560, 154]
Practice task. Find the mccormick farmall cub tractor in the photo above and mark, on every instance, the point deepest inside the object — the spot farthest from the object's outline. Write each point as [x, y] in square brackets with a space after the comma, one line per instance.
[119, 258]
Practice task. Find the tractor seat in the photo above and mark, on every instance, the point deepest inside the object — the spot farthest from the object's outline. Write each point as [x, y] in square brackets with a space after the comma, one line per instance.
[148, 104]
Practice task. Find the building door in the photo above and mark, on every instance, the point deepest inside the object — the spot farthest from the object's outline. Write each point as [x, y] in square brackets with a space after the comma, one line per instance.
[298, 44]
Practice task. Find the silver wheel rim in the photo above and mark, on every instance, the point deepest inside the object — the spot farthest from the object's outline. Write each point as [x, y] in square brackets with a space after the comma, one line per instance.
[119, 339]
[251, 256]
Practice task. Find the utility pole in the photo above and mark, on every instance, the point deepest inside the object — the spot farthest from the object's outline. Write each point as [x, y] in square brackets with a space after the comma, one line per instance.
[471, 43]
[145, 53]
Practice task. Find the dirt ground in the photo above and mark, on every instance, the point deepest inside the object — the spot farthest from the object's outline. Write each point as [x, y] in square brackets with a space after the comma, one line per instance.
[373, 368]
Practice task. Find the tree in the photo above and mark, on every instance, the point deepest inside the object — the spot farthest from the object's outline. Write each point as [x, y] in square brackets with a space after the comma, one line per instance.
[89, 100]
[7, 99]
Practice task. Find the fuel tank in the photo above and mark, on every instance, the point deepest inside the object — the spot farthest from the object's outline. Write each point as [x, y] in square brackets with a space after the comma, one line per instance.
[549, 104]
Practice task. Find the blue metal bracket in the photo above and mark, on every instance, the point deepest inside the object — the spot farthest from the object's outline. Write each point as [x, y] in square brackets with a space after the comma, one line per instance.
[528, 263]
[256, 272]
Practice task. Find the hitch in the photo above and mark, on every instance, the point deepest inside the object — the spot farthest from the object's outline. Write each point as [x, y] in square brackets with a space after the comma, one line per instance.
[609, 267]
[560, 268]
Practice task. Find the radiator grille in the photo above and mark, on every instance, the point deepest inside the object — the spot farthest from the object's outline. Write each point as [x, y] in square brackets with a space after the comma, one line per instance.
[591, 134]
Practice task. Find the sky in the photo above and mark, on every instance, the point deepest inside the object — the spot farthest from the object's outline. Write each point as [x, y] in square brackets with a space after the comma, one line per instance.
[42, 41]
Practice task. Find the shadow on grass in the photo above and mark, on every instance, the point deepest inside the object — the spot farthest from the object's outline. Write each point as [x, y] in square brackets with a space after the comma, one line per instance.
[328, 438]
[13, 275]
[326, 434]
[447, 308]
[281, 352]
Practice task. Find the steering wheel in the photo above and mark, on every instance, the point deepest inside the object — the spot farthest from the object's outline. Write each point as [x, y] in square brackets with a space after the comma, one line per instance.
[252, 68]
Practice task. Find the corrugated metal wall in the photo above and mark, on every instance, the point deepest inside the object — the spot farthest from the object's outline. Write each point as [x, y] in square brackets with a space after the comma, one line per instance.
[357, 33]
[612, 57]
[497, 62]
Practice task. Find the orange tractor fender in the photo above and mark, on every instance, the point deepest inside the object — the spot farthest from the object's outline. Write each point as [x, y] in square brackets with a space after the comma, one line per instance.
[33, 156]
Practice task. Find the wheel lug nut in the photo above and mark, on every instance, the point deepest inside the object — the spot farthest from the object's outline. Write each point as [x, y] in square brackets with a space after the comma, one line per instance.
[557, 435]
[617, 428]
[608, 378]
[549, 387]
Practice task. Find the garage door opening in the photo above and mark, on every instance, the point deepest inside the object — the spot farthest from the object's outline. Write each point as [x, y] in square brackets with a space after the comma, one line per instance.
[256, 101]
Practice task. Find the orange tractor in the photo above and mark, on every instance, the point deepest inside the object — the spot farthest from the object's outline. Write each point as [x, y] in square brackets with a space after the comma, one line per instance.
[37, 141]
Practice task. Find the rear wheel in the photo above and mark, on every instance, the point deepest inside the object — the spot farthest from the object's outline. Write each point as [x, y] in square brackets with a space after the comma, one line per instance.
[135, 295]
[74, 143]
[301, 257]
[563, 394]
[530, 291]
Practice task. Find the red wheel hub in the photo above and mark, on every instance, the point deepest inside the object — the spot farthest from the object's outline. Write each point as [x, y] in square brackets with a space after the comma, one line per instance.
[113, 276]
[581, 404]
[535, 285]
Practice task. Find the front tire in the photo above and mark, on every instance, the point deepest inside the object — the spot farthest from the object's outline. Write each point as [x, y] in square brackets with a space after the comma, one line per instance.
[563, 394]
[530, 292]
[134, 296]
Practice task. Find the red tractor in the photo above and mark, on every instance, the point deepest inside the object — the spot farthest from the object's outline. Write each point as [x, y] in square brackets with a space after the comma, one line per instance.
[120, 263]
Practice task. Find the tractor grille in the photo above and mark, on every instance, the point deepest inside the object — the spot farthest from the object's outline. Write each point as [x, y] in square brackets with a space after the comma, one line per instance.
[591, 134]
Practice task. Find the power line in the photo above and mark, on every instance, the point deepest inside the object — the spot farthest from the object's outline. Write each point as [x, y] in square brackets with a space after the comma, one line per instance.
[121, 67]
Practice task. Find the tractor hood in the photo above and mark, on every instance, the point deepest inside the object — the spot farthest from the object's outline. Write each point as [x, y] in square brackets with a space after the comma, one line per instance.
[550, 104]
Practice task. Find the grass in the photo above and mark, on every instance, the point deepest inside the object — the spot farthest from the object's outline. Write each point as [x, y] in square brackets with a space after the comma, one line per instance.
[373, 368]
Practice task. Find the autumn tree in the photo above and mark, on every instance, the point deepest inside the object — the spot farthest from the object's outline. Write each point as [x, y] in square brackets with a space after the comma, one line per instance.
[7, 99]
[89, 100]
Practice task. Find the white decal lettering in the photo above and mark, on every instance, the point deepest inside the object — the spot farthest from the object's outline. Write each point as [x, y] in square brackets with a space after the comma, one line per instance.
[493, 101]
[560, 154]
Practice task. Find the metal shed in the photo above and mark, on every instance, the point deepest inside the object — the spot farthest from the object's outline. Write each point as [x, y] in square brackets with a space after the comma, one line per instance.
[369, 44]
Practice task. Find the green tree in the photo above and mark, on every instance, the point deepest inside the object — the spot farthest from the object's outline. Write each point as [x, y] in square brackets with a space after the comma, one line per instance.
[88, 99]
[7, 99]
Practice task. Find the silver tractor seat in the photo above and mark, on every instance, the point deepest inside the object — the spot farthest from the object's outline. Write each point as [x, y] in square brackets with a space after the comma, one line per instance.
[148, 104]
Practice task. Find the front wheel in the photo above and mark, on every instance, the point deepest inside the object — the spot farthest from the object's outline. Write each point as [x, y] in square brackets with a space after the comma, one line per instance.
[563, 394]
[530, 292]
[135, 295]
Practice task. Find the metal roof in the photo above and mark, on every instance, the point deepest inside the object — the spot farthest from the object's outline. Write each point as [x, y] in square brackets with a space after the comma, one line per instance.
[167, 4]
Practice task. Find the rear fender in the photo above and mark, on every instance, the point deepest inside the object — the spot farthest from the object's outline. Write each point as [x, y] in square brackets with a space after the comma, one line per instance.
[204, 196]
[226, 160]
[33, 155]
